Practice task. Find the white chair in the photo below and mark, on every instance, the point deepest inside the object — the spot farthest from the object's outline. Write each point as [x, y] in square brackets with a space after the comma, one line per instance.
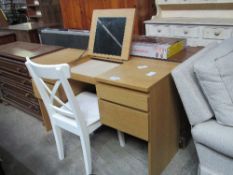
[80, 115]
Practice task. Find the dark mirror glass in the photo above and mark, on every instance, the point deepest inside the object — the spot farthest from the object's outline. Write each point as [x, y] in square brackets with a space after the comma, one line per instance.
[109, 35]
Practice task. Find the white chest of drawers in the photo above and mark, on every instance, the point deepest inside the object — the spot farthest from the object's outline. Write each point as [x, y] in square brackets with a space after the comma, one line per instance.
[200, 21]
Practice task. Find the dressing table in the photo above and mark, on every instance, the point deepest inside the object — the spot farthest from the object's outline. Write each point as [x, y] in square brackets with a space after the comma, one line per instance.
[136, 95]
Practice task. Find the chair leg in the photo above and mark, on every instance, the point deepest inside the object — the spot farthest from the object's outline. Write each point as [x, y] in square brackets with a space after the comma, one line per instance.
[86, 147]
[59, 141]
[121, 138]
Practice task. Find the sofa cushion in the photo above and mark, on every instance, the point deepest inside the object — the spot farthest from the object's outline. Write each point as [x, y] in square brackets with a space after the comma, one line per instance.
[194, 101]
[215, 136]
[214, 80]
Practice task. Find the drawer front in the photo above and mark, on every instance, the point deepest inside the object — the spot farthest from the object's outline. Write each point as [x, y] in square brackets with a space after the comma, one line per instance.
[158, 30]
[123, 96]
[186, 31]
[18, 92]
[124, 119]
[18, 102]
[17, 80]
[217, 32]
[17, 67]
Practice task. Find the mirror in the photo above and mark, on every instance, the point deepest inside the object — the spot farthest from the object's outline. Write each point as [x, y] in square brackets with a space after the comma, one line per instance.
[109, 35]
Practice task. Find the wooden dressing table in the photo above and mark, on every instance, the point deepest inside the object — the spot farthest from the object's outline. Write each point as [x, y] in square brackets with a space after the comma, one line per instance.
[147, 107]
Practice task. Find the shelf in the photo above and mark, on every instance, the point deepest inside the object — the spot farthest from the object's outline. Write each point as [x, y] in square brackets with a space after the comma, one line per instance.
[190, 21]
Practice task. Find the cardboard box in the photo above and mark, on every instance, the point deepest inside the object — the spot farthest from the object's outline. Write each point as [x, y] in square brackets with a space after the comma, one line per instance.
[156, 47]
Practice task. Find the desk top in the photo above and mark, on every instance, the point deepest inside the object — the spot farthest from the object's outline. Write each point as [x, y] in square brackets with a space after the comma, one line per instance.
[132, 73]
[138, 74]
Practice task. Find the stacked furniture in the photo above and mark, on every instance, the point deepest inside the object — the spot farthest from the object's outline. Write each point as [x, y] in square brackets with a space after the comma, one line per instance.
[207, 99]
[15, 82]
[200, 21]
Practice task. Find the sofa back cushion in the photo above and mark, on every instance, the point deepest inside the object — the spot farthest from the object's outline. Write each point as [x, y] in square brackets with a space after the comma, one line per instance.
[194, 101]
[215, 76]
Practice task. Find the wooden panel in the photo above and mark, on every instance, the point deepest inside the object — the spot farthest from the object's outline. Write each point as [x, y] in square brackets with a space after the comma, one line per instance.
[73, 14]
[78, 13]
[124, 119]
[122, 96]
[164, 124]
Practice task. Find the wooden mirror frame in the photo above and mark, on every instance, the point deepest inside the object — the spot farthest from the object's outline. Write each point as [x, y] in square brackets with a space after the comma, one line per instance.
[129, 14]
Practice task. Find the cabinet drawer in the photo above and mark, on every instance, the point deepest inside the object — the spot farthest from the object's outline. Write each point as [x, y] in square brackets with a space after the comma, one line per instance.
[186, 31]
[17, 80]
[18, 102]
[17, 67]
[19, 92]
[123, 96]
[217, 33]
[124, 119]
[158, 30]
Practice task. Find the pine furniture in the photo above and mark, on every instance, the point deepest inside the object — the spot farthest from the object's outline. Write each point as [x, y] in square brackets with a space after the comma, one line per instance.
[148, 107]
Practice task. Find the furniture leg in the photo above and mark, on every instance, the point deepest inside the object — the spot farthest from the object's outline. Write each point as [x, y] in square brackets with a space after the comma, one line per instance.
[121, 138]
[85, 142]
[59, 141]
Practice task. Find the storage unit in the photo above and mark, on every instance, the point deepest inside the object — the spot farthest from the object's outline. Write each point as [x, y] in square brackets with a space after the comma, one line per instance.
[15, 82]
[200, 21]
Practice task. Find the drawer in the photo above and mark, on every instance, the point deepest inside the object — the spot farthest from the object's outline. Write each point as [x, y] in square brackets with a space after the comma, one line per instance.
[217, 32]
[124, 119]
[158, 30]
[14, 79]
[186, 31]
[17, 67]
[19, 92]
[18, 102]
[123, 96]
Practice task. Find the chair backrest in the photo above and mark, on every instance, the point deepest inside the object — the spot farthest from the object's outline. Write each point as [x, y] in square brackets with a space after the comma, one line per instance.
[59, 74]
[194, 101]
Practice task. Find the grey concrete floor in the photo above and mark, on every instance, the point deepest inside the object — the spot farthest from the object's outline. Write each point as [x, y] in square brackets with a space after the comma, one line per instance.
[27, 149]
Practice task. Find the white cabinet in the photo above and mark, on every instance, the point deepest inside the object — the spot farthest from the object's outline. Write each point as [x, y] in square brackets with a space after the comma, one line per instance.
[199, 21]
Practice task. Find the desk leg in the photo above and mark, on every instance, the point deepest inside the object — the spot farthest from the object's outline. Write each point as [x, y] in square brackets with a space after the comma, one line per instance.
[45, 116]
[163, 126]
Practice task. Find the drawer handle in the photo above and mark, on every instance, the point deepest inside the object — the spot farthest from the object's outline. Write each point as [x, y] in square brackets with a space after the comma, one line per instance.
[186, 32]
[217, 33]
[159, 31]
[27, 95]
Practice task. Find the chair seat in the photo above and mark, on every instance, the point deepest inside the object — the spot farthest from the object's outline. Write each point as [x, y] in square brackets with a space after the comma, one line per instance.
[88, 103]
[215, 136]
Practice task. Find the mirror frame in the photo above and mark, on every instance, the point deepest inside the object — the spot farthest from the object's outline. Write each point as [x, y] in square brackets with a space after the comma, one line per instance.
[129, 14]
